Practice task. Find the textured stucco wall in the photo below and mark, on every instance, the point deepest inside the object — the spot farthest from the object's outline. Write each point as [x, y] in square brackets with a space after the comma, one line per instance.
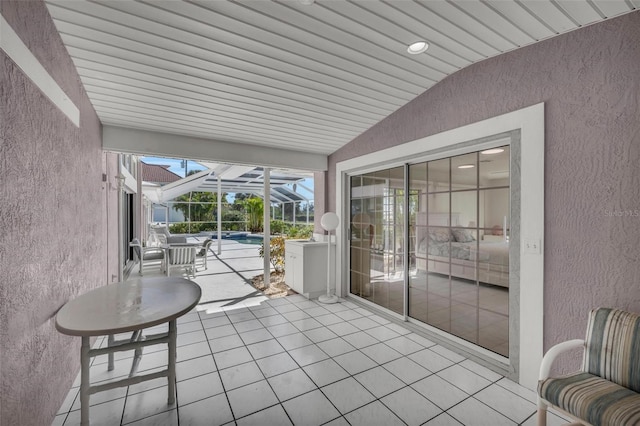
[589, 80]
[53, 218]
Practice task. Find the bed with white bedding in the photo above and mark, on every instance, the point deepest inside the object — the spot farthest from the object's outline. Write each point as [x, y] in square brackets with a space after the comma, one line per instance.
[486, 261]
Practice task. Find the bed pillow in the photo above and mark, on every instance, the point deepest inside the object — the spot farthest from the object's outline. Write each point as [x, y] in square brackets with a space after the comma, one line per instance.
[440, 235]
[462, 235]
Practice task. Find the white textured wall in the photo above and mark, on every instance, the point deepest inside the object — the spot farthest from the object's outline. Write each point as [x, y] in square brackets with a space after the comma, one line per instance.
[589, 80]
[53, 222]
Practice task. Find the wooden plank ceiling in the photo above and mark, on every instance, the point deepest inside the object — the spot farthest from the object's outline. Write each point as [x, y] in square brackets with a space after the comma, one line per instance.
[285, 74]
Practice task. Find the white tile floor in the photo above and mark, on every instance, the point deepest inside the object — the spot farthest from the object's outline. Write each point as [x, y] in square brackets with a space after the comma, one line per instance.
[294, 361]
[255, 366]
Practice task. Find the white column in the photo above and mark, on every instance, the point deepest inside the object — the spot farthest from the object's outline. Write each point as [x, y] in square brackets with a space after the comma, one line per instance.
[266, 214]
[219, 215]
[294, 213]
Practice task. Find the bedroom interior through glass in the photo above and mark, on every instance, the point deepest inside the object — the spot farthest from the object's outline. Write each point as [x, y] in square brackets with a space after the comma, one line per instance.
[435, 246]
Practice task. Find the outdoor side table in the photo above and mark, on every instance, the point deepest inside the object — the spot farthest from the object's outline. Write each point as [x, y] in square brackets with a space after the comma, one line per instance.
[127, 307]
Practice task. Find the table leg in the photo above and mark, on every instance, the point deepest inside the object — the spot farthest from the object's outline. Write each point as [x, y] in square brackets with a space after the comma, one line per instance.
[172, 362]
[110, 340]
[84, 381]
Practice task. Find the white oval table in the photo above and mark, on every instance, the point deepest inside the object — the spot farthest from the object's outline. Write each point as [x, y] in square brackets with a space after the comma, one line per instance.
[127, 307]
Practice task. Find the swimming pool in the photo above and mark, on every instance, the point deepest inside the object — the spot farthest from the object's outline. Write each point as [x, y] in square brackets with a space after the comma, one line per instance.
[241, 237]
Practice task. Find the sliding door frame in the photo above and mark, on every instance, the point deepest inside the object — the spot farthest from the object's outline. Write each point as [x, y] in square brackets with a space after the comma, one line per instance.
[527, 349]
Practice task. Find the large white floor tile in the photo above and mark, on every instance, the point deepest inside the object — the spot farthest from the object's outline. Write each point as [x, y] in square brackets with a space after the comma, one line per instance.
[195, 367]
[291, 384]
[294, 341]
[509, 404]
[404, 345]
[473, 412]
[439, 391]
[272, 320]
[443, 420]
[106, 396]
[167, 418]
[406, 370]
[308, 355]
[379, 381]
[211, 411]
[360, 339]
[355, 362]
[329, 319]
[193, 351]
[363, 323]
[325, 372]
[215, 321]
[145, 404]
[255, 336]
[335, 347]
[431, 360]
[306, 324]
[265, 348]
[348, 394]
[276, 364]
[240, 375]
[310, 409]
[410, 406]
[320, 334]
[249, 325]
[225, 343]
[232, 357]
[381, 353]
[106, 414]
[374, 414]
[343, 328]
[197, 388]
[465, 379]
[271, 416]
[251, 398]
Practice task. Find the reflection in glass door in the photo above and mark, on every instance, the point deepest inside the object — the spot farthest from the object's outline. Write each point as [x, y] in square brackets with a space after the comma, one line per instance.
[376, 241]
[457, 249]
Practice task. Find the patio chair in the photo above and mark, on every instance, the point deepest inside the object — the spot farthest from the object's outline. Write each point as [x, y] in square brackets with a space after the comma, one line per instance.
[146, 254]
[165, 236]
[606, 391]
[203, 252]
[180, 256]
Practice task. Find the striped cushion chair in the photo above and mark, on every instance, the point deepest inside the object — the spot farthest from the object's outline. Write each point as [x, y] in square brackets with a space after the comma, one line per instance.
[607, 389]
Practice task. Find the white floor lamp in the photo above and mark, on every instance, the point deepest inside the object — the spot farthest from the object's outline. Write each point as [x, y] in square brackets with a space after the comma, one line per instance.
[329, 222]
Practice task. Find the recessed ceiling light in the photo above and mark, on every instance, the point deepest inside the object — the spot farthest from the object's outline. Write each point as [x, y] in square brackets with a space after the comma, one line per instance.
[418, 47]
[492, 151]
[466, 166]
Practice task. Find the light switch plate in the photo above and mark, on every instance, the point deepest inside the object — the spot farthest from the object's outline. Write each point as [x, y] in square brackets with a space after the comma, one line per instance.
[532, 245]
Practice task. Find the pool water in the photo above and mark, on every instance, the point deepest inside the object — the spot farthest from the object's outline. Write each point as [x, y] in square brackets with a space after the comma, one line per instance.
[241, 237]
[255, 241]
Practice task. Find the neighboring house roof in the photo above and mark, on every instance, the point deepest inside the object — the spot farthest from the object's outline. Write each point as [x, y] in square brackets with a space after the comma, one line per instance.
[155, 173]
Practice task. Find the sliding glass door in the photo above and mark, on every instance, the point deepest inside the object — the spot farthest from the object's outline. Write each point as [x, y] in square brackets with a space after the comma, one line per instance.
[376, 240]
[453, 259]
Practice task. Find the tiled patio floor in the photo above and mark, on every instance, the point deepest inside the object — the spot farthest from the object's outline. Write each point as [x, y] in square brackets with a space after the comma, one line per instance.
[247, 360]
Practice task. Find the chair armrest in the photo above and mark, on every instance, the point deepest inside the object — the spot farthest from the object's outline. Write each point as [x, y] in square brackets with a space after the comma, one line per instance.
[554, 352]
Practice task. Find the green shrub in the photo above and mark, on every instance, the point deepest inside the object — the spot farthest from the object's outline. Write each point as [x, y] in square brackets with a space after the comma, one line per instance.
[278, 227]
[300, 232]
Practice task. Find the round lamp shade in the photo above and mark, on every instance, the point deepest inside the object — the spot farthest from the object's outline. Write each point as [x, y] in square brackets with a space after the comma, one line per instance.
[329, 221]
[361, 221]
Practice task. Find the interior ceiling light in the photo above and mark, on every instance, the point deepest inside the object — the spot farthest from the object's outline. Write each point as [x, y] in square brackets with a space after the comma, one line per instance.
[418, 47]
[466, 166]
[492, 151]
